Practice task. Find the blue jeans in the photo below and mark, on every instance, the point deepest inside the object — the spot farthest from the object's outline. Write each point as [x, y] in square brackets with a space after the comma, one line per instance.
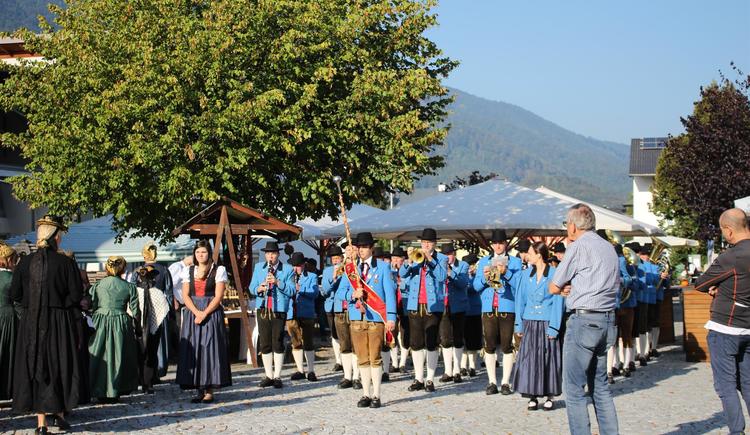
[730, 363]
[587, 338]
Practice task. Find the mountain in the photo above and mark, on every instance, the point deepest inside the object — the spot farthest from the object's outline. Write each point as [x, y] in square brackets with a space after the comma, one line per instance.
[23, 13]
[492, 136]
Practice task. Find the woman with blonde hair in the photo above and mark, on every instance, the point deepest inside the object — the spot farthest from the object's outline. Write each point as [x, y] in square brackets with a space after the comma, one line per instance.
[47, 284]
[8, 321]
[113, 367]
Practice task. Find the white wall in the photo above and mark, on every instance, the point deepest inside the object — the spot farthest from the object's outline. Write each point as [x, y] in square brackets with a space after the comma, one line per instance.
[642, 199]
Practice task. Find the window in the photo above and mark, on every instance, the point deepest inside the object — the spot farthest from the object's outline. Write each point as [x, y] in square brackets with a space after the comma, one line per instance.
[651, 143]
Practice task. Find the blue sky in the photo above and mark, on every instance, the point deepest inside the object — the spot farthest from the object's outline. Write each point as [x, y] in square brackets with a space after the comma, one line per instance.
[610, 70]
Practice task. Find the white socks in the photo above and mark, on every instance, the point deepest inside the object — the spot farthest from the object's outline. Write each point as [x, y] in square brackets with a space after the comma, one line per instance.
[464, 360]
[507, 367]
[418, 357]
[610, 359]
[473, 359]
[268, 364]
[346, 361]
[355, 366]
[448, 360]
[366, 374]
[336, 350]
[386, 357]
[278, 362]
[432, 361]
[458, 353]
[655, 337]
[403, 356]
[489, 360]
[615, 354]
[628, 356]
[377, 375]
[297, 355]
[310, 358]
[394, 357]
[643, 351]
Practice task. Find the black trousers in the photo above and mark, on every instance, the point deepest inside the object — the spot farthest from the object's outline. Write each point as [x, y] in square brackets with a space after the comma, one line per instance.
[271, 332]
[643, 312]
[473, 332]
[332, 325]
[498, 330]
[403, 324]
[343, 331]
[452, 329]
[654, 315]
[302, 332]
[423, 329]
[150, 360]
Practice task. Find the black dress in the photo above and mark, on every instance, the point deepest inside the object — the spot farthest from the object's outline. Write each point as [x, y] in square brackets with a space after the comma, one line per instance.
[46, 371]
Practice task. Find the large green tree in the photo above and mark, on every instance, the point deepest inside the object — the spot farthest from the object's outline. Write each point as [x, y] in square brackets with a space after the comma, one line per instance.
[150, 108]
[701, 172]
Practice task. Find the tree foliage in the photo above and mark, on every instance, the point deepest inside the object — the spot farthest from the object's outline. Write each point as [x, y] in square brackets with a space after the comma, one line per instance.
[151, 108]
[701, 172]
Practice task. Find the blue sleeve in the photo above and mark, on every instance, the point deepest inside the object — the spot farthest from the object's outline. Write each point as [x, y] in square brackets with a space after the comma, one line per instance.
[556, 314]
[285, 284]
[310, 290]
[626, 279]
[440, 269]
[344, 290]
[329, 285]
[389, 288]
[520, 306]
[256, 281]
[479, 282]
[460, 275]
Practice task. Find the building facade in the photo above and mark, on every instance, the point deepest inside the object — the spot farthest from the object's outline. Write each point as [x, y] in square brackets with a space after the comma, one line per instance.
[644, 154]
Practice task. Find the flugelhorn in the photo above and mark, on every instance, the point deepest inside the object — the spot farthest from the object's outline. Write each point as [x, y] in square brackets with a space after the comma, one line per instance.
[416, 256]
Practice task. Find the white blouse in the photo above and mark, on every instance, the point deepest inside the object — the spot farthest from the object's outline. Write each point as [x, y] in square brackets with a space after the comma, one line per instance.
[221, 274]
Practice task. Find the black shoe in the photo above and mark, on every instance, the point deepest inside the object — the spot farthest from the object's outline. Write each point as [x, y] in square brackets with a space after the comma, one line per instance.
[505, 390]
[416, 386]
[385, 377]
[610, 379]
[338, 368]
[393, 370]
[620, 366]
[345, 383]
[654, 353]
[375, 403]
[208, 400]
[643, 362]
[429, 387]
[266, 382]
[457, 379]
[402, 369]
[364, 402]
[150, 391]
[533, 405]
[626, 373]
[277, 383]
[311, 377]
[60, 423]
[491, 389]
[42, 430]
[446, 378]
[631, 366]
[464, 372]
[615, 371]
[297, 376]
[198, 398]
[472, 373]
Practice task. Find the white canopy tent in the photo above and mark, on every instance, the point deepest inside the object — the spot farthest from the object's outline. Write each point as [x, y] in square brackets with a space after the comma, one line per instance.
[469, 213]
[607, 219]
[93, 241]
[677, 242]
[313, 229]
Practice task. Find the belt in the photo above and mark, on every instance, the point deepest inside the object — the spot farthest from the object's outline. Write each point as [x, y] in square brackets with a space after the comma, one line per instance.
[580, 311]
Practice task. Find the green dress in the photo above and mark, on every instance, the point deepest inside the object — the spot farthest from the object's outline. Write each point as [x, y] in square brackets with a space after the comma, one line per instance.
[8, 324]
[113, 367]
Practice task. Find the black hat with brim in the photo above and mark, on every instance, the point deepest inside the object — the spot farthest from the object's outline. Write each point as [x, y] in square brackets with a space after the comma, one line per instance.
[558, 248]
[498, 236]
[271, 247]
[364, 239]
[297, 259]
[470, 258]
[523, 245]
[429, 234]
[447, 249]
[398, 252]
[335, 250]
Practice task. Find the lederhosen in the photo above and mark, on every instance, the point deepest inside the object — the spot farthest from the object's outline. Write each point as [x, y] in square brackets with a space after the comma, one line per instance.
[301, 330]
[270, 325]
[451, 324]
[424, 325]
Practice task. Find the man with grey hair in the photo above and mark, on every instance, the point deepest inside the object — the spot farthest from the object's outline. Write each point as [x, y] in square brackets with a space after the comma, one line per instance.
[728, 281]
[589, 278]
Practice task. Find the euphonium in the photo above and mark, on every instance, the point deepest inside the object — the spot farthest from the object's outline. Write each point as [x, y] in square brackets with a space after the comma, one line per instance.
[416, 256]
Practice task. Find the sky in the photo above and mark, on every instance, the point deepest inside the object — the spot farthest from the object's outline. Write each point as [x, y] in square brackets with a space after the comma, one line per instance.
[605, 69]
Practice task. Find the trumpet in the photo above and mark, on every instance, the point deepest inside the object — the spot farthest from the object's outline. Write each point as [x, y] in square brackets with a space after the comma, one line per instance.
[416, 256]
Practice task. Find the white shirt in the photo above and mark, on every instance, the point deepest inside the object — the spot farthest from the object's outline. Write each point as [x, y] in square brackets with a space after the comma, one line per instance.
[175, 269]
[221, 274]
[724, 329]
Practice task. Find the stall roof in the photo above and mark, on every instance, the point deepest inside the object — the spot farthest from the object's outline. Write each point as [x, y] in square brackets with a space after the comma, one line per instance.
[313, 229]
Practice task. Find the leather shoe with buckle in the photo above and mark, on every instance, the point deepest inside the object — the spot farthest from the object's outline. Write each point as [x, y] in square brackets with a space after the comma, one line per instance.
[345, 383]
[505, 390]
[375, 403]
[491, 389]
[429, 387]
[266, 382]
[446, 378]
[364, 402]
[416, 386]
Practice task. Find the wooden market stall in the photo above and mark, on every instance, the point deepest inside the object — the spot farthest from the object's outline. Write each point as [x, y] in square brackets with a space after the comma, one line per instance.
[233, 226]
[697, 306]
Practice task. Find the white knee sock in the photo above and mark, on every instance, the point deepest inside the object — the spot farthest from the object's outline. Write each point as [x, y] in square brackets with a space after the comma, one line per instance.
[643, 351]
[268, 364]
[507, 367]
[278, 363]
[366, 374]
[655, 337]
[615, 355]
[377, 375]
[489, 360]
[448, 360]
[432, 361]
[394, 356]
[458, 354]
[465, 361]
[336, 350]
[404, 355]
[473, 359]
[386, 357]
[628, 355]
[355, 366]
[610, 359]
[346, 361]
[297, 355]
[310, 358]
[621, 349]
[418, 356]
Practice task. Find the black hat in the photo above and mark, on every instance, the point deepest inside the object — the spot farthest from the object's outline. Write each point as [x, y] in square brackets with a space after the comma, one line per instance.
[645, 250]
[271, 247]
[398, 252]
[288, 249]
[311, 261]
[378, 252]
[298, 259]
[429, 234]
[559, 247]
[602, 234]
[470, 258]
[498, 236]
[344, 245]
[634, 246]
[364, 239]
[335, 250]
[553, 259]
[618, 249]
[523, 245]
[447, 248]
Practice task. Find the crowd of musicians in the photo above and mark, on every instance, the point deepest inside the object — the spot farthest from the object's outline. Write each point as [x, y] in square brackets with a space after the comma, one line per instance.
[63, 342]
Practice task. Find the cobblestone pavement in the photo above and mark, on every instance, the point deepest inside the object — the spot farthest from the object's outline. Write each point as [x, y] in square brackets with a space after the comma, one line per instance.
[669, 396]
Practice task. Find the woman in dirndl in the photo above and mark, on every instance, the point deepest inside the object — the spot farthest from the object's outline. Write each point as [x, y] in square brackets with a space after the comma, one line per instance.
[538, 370]
[8, 321]
[203, 361]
